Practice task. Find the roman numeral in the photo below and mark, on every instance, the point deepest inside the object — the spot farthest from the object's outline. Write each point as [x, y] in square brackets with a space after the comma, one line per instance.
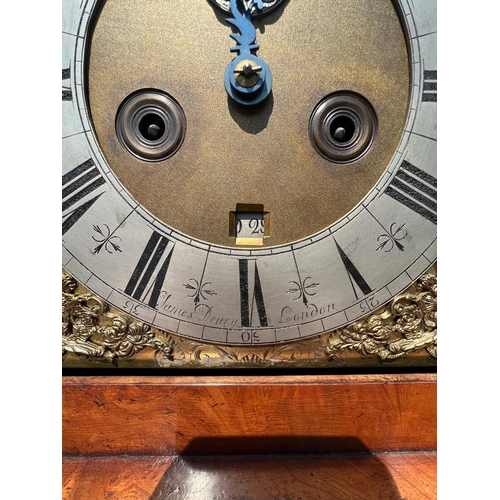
[67, 95]
[416, 190]
[77, 185]
[429, 92]
[149, 275]
[246, 305]
[353, 273]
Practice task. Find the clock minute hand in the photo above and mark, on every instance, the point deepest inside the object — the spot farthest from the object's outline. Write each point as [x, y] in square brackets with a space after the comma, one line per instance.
[242, 21]
[247, 77]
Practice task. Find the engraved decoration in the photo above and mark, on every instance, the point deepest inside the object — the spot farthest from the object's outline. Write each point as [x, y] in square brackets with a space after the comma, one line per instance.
[192, 354]
[404, 328]
[408, 323]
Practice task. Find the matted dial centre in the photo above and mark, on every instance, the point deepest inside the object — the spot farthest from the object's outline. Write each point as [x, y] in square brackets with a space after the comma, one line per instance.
[262, 155]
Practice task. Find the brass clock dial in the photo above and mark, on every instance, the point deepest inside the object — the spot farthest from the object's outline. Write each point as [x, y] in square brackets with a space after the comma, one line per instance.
[253, 181]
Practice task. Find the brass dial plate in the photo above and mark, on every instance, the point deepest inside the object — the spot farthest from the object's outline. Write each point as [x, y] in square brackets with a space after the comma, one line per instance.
[232, 155]
[139, 264]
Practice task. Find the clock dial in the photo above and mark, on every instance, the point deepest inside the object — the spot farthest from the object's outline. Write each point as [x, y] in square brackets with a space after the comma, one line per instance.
[256, 223]
[234, 155]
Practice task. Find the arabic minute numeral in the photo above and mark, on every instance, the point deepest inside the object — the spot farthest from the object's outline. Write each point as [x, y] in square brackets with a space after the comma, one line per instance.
[369, 304]
[250, 337]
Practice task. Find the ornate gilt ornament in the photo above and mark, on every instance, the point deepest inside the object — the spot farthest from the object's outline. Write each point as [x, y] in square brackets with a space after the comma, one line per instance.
[407, 326]
[91, 330]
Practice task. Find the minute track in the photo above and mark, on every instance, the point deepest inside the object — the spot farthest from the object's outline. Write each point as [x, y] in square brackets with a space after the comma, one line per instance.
[254, 287]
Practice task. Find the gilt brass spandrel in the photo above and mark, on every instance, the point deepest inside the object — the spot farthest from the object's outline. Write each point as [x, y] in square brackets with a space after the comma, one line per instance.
[93, 330]
[232, 155]
[402, 333]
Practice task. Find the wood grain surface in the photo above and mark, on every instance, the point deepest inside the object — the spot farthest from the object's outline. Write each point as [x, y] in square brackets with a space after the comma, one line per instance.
[386, 476]
[166, 416]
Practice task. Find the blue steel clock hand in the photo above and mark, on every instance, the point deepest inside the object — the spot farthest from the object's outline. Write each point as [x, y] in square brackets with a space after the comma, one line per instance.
[247, 78]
